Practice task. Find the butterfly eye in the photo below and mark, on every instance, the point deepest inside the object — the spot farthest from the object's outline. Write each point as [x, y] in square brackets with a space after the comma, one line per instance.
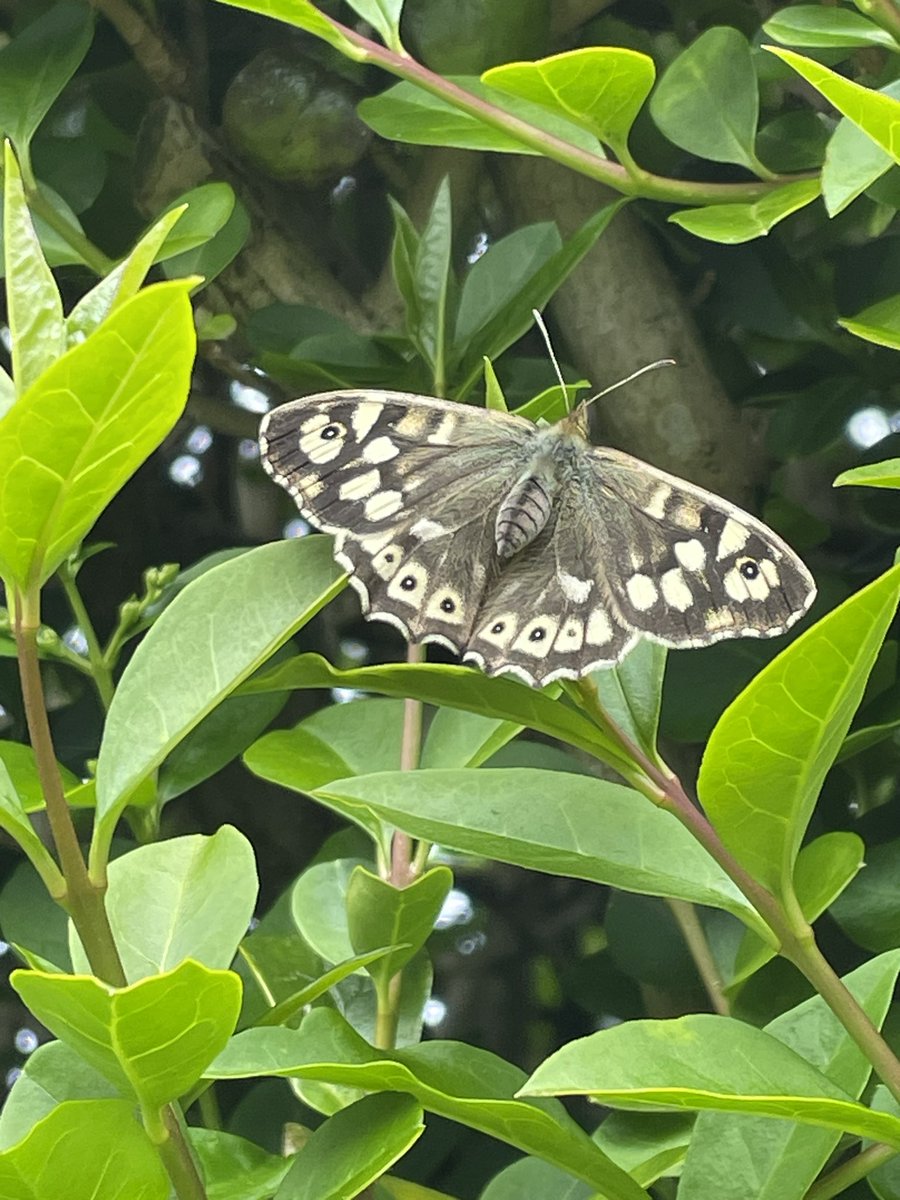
[749, 568]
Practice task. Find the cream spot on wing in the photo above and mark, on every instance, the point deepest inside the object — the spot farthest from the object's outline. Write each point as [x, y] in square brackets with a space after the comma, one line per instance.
[446, 605]
[500, 630]
[732, 539]
[719, 618]
[636, 558]
[599, 628]
[656, 505]
[571, 636]
[575, 589]
[443, 434]
[360, 486]
[364, 417]
[308, 486]
[386, 560]
[409, 584]
[380, 450]
[770, 572]
[536, 637]
[758, 587]
[383, 504]
[687, 514]
[736, 586]
[427, 529]
[642, 592]
[675, 591]
[413, 423]
[691, 554]
[321, 440]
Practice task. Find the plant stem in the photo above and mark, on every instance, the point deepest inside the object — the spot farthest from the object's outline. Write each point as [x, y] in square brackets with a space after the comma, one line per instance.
[692, 932]
[177, 1157]
[100, 672]
[836, 1182]
[92, 255]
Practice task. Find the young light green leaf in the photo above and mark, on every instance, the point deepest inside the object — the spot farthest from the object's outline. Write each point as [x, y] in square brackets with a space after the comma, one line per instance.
[732, 224]
[37, 64]
[51, 1075]
[379, 914]
[877, 114]
[153, 1039]
[702, 1062]
[161, 896]
[816, 26]
[853, 162]
[881, 475]
[494, 400]
[14, 820]
[460, 1082]
[549, 821]
[767, 757]
[601, 88]
[354, 1148]
[707, 101]
[85, 1150]
[879, 323]
[33, 303]
[631, 692]
[384, 16]
[303, 15]
[277, 589]
[122, 391]
[732, 1156]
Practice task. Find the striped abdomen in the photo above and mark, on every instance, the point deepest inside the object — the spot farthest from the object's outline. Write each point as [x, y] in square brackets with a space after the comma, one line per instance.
[524, 512]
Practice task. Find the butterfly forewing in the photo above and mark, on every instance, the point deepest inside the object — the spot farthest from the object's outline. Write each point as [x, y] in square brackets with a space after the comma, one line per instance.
[411, 487]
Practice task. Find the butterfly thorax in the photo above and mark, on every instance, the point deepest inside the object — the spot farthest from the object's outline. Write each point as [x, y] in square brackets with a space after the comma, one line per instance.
[526, 507]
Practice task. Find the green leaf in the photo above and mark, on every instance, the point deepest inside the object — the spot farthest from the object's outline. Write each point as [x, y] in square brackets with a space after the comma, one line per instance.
[354, 1148]
[432, 279]
[704, 1062]
[458, 687]
[707, 102]
[319, 908]
[383, 16]
[209, 259]
[460, 739]
[122, 391]
[37, 64]
[879, 323]
[161, 896]
[7, 392]
[14, 820]
[460, 1082]
[502, 271]
[869, 910]
[734, 1156]
[631, 692]
[736, 223]
[815, 26]
[281, 1013]
[601, 88]
[494, 400]
[768, 756]
[563, 824]
[85, 1150]
[154, 1039]
[204, 211]
[233, 1168]
[880, 475]
[379, 914]
[51, 1075]
[877, 114]
[853, 162]
[303, 15]
[406, 113]
[34, 307]
[276, 589]
[646, 1145]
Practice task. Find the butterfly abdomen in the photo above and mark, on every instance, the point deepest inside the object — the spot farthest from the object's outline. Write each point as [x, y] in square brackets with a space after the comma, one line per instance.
[525, 510]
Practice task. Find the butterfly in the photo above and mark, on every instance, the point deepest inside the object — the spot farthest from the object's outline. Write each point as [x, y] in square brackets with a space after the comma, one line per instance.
[523, 547]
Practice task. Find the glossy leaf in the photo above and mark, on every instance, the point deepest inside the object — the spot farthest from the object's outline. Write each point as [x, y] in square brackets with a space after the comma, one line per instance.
[732, 224]
[600, 87]
[460, 1082]
[234, 1168]
[707, 102]
[499, 274]
[431, 280]
[34, 307]
[733, 1156]
[853, 162]
[319, 908]
[187, 897]
[303, 15]
[153, 1039]
[53, 1074]
[14, 821]
[549, 821]
[767, 757]
[379, 914]
[383, 16]
[815, 26]
[204, 211]
[881, 475]
[122, 389]
[37, 64]
[869, 910]
[276, 588]
[877, 114]
[353, 1148]
[85, 1150]
[879, 323]
[631, 692]
[702, 1062]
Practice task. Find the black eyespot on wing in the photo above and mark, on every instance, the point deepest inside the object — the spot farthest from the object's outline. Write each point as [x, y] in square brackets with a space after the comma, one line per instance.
[447, 605]
[408, 583]
[749, 569]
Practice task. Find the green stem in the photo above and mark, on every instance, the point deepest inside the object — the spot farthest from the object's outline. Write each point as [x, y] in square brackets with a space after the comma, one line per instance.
[695, 939]
[613, 174]
[92, 255]
[836, 1182]
[177, 1157]
[387, 1016]
[100, 672]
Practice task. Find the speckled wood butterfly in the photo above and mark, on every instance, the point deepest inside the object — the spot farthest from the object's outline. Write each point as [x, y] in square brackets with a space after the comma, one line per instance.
[523, 547]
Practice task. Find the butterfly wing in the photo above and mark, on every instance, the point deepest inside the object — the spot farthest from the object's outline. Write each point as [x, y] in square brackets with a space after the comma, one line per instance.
[410, 487]
[685, 567]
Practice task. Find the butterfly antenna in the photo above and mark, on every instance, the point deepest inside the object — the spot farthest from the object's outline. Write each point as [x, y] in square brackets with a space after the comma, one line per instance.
[539, 321]
[660, 362]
